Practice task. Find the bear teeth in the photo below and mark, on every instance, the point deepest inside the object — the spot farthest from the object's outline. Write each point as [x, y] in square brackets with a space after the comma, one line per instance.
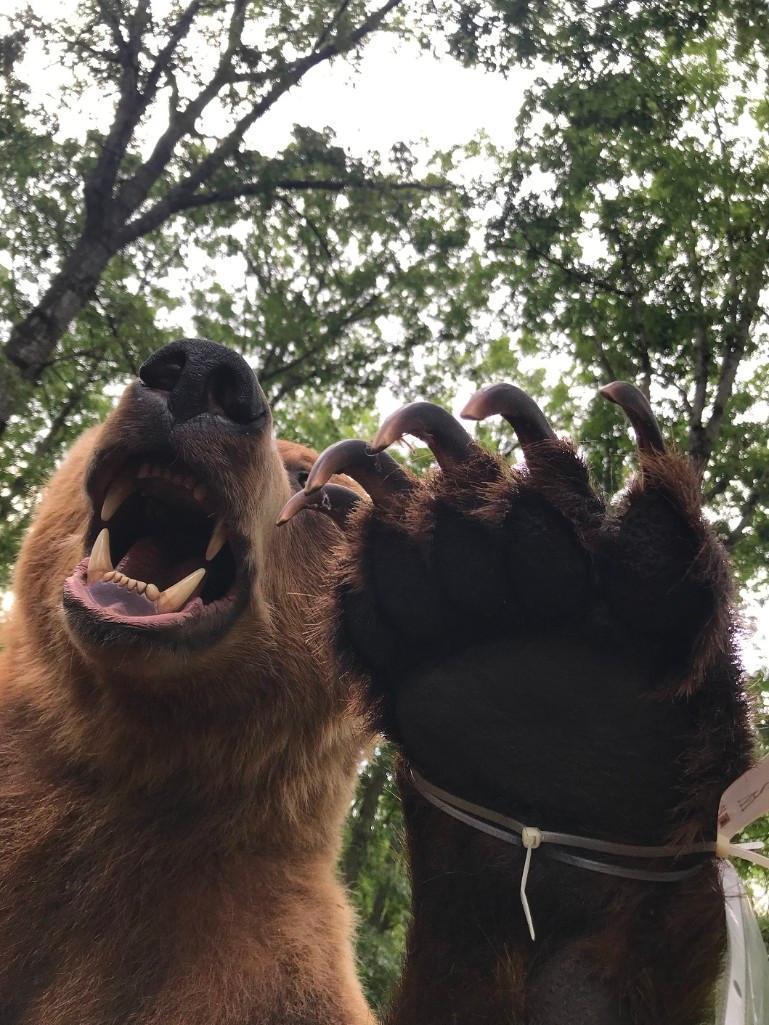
[121, 488]
[100, 562]
[217, 540]
[173, 599]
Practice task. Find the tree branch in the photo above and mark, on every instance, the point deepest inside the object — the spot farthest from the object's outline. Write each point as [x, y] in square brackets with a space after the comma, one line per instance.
[163, 59]
[49, 441]
[329, 336]
[332, 24]
[100, 182]
[147, 224]
[134, 190]
[756, 494]
[735, 351]
[578, 273]
[634, 293]
[33, 340]
[180, 195]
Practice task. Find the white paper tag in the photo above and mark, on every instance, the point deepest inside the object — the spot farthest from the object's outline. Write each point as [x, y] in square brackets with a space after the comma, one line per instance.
[744, 992]
[745, 800]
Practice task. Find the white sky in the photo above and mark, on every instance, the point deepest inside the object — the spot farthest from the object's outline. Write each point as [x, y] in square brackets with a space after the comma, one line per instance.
[397, 94]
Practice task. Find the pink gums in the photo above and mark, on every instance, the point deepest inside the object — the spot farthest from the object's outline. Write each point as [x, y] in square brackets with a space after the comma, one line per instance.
[76, 587]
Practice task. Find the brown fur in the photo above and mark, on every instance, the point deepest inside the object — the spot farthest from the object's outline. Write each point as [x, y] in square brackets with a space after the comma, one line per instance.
[579, 710]
[170, 823]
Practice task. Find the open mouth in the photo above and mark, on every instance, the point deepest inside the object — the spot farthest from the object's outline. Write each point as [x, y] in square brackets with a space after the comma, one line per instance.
[162, 554]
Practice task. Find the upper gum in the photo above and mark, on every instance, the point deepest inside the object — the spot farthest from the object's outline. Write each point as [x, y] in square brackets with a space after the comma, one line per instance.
[186, 480]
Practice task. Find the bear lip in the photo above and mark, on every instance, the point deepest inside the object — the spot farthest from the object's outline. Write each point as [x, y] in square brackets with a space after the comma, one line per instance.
[77, 590]
[196, 626]
[163, 560]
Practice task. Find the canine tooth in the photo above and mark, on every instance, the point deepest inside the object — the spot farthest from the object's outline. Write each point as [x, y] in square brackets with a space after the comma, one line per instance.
[100, 561]
[117, 494]
[174, 597]
[200, 492]
[152, 592]
[216, 543]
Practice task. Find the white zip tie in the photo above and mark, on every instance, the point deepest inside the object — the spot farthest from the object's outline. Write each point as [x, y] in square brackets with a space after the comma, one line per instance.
[531, 838]
[746, 851]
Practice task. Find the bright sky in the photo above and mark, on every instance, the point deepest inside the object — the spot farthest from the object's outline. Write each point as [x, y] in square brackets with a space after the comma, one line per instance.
[397, 94]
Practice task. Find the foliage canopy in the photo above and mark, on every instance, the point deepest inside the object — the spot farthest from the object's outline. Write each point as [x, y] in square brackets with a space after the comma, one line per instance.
[625, 234]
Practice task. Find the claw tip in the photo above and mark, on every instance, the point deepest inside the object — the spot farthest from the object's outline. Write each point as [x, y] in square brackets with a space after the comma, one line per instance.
[610, 391]
[470, 410]
[382, 440]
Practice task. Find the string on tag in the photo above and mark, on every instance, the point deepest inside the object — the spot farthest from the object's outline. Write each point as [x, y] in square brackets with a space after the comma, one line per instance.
[531, 838]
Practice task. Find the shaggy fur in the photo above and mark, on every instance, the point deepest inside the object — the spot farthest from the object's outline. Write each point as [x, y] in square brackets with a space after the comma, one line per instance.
[571, 664]
[170, 819]
[170, 816]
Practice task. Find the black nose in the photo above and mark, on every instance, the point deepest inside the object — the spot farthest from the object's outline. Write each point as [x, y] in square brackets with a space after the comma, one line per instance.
[202, 377]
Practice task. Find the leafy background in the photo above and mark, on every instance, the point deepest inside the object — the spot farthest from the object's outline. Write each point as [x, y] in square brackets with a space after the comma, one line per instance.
[617, 227]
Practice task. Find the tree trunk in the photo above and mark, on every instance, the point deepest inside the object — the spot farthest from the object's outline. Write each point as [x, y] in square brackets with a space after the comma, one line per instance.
[34, 339]
[361, 824]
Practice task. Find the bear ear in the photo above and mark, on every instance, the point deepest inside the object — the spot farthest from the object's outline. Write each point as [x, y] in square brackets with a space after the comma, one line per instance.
[296, 458]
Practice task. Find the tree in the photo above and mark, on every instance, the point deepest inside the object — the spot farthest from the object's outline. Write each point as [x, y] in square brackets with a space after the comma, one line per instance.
[629, 239]
[634, 237]
[327, 255]
[207, 71]
[373, 867]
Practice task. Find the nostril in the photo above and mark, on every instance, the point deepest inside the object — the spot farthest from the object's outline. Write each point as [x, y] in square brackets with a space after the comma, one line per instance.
[229, 395]
[162, 372]
[196, 377]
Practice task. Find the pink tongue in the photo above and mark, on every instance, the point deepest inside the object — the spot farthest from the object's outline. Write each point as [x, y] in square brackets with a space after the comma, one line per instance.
[120, 601]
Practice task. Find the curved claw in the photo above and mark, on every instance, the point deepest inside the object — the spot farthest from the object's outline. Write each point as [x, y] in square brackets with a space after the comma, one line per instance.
[448, 440]
[378, 473]
[334, 500]
[519, 409]
[638, 411]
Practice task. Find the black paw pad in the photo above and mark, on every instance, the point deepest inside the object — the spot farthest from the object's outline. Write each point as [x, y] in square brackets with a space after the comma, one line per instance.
[470, 564]
[657, 573]
[548, 568]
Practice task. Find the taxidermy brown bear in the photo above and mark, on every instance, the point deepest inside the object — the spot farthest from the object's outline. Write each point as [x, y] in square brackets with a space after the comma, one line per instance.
[178, 747]
[176, 758]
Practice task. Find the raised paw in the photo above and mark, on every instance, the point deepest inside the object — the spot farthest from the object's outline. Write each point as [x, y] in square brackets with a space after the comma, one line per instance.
[531, 647]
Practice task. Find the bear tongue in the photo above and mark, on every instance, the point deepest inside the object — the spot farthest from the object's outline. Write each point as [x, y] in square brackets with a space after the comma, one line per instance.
[120, 601]
[146, 560]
